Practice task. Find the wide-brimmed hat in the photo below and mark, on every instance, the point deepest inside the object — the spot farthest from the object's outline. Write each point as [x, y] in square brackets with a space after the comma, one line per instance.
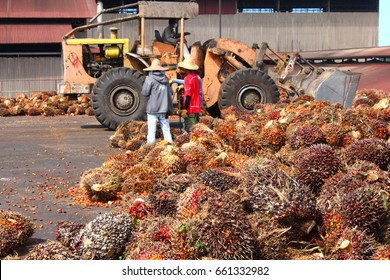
[188, 63]
[156, 66]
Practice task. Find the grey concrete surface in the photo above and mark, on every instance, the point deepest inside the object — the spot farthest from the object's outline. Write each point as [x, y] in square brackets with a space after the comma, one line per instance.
[40, 159]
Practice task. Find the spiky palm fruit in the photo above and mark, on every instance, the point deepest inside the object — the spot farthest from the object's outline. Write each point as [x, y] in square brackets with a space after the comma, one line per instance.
[195, 157]
[203, 135]
[235, 160]
[370, 149]
[169, 161]
[126, 131]
[155, 152]
[135, 143]
[49, 111]
[220, 179]
[351, 200]
[272, 136]
[163, 202]
[333, 134]
[386, 114]
[174, 182]
[231, 113]
[4, 112]
[15, 230]
[121, 162]
[380, 128]
[351, 244]
[324, 112]
[313, 165]
[104, 237]
[356, 124]
[226, 129]
[221, 230]
[272, 239]
[101, 184]
[50, 250]
[136, 205]
[285, 155]
[140, 179]
[182, 139]
[305, 136]
[382, 253]
[363, 101]
[247, 116]
[273, 116]
[33, 111]
[166, 238]
[191, 201]
[249, 143]
[206, 120]
[372, 94]
[66, 231]
[89, 111]
[72, 110]
[150, 251]
[16, 110]
[278, 195]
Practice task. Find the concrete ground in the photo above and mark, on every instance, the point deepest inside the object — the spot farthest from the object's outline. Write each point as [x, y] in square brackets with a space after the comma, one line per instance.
[40, 159]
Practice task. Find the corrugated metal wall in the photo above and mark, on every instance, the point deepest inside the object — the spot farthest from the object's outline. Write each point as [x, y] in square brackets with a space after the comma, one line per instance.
[282, 31]
[28, 74]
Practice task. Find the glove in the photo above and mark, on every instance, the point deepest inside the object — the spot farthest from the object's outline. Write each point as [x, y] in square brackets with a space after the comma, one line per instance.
[183, 113]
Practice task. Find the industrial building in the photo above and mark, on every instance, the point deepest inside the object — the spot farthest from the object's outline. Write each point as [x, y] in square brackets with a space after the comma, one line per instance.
[31, 31]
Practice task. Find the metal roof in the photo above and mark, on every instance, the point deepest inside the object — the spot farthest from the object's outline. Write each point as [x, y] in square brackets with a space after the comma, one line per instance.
[47, 9]
[33, 33]
[375, 73]
[348, 53]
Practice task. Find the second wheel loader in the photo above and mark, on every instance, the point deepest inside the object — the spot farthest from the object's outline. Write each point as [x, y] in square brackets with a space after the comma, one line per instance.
[233, 73]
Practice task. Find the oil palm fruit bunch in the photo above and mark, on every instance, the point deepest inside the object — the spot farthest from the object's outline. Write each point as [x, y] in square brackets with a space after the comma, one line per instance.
[15, 230]
[222, 230]
[104, 237]
[278, 195]
[382, 253]
[357, 197]
[220, 179]
[66, 231]
[351, 244]
[50, 250]
[370, 149]
[101, 184]
[272, 239]
[158, 237]
[313, 165]
[305, 136]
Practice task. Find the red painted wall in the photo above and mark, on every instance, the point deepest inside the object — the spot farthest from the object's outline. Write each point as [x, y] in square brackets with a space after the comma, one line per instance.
[212, 7]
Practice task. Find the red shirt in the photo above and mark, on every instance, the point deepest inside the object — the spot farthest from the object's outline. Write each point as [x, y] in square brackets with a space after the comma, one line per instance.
[192, 89]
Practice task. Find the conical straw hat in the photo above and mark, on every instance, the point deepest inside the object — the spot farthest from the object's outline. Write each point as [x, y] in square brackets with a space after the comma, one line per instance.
[188, 63]
[156, 66]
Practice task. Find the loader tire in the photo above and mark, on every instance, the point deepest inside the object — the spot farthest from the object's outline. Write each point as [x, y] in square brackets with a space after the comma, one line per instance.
[116, 97]
[246, 88]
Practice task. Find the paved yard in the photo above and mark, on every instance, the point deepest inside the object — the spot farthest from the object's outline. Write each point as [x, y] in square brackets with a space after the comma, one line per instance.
[40, 159]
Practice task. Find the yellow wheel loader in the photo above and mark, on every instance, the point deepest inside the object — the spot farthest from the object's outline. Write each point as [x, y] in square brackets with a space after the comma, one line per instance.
[233, 74]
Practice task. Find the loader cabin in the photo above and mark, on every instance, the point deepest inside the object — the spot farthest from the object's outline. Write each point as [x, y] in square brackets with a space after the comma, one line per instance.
[86, 59]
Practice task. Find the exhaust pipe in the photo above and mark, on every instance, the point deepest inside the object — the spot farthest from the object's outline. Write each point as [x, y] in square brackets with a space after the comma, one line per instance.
[100, 30]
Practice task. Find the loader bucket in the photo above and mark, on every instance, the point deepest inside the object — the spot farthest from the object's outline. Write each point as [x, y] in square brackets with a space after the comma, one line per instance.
[334, 86]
